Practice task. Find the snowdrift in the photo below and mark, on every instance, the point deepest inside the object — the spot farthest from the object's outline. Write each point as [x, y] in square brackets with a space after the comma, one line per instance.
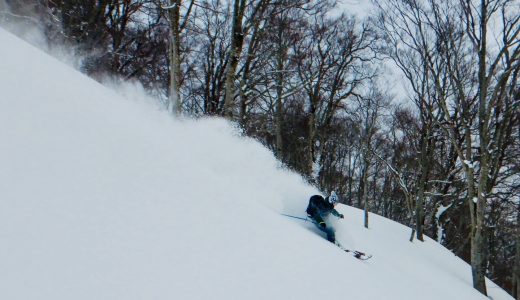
[106, 198]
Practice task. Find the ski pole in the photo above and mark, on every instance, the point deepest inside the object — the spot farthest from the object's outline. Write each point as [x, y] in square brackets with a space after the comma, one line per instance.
[305, 219]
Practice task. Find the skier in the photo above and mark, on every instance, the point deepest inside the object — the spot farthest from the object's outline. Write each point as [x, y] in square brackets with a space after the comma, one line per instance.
[319, 208]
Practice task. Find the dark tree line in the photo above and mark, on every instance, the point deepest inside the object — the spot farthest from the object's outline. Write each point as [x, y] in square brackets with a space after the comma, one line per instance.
[308, 83]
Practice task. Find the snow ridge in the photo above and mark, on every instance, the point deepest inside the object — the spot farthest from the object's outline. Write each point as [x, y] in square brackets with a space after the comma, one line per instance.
[106, 198]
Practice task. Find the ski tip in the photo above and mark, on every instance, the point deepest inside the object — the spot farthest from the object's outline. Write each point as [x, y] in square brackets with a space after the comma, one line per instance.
[357, 254]
[367, 257]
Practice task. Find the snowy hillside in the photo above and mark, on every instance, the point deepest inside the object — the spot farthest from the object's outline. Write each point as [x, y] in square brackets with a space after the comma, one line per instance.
[106, 198]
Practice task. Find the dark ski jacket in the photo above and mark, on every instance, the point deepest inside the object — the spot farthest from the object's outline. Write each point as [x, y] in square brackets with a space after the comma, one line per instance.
[320, 208]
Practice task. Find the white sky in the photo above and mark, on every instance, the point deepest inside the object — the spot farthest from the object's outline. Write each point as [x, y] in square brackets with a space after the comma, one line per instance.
[361, 8]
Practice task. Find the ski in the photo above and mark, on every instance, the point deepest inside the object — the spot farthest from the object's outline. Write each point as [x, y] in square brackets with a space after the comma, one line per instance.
[358, 254]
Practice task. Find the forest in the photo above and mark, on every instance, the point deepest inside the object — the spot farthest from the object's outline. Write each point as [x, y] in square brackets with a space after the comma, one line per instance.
[412, 112]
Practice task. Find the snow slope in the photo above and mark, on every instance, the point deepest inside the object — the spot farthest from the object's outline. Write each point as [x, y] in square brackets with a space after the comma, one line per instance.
[106, 198]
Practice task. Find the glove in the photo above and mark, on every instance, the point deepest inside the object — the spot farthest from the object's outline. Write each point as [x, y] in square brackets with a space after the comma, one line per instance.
[341, 216]
[323, 225]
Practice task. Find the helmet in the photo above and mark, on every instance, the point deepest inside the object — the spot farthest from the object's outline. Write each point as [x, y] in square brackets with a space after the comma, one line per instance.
[333, 198]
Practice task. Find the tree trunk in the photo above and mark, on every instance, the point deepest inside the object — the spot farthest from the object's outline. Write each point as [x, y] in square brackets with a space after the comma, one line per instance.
[419, 205]
[477, 219]
[365, 186]
[312, 136]
[237, 39]
[248, 67]
[174, 56]
[478, 253]
[475, 202]
[478, 259]
[350, 177]
[516, 268]
[280, 61]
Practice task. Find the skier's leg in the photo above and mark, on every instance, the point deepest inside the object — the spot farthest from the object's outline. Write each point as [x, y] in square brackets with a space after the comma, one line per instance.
[331, 236]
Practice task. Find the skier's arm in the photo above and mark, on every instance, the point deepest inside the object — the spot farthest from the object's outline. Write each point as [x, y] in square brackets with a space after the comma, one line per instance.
[337, 214]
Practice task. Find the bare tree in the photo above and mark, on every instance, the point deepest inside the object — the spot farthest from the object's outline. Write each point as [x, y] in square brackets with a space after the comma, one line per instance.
[408, 126]
[367, 114]
[469, 89]
[209, 37]
[241, 24]
[287, 18]
[495, 68]
[177, 24]
[330, 64]
[409, 42]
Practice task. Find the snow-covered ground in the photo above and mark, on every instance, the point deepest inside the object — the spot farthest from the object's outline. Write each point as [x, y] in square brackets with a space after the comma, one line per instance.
[106, 198]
